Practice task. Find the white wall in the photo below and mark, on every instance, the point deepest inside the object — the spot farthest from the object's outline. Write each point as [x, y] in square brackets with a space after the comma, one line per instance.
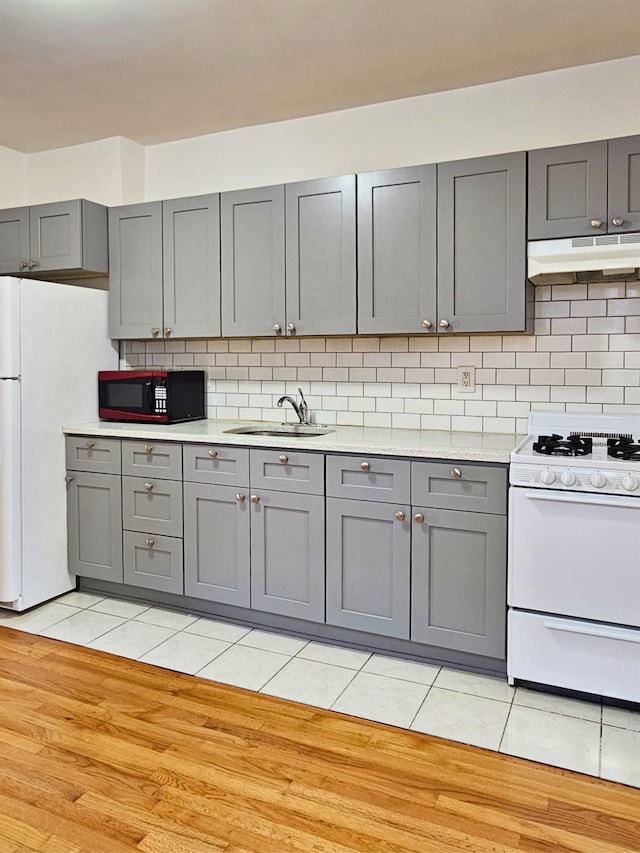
[558, 107]
[13, 178]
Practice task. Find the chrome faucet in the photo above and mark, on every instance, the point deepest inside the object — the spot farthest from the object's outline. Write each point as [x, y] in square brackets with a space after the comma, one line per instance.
[301, 409]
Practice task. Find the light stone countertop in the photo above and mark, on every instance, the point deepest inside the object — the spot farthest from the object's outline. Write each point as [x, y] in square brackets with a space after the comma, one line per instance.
[424, 444]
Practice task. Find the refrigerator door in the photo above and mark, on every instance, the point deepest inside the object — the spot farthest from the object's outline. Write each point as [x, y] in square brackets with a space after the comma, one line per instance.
[10, 492]
[9, 327]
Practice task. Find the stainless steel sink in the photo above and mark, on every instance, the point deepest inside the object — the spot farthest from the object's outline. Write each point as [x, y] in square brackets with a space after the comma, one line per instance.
[288, 430]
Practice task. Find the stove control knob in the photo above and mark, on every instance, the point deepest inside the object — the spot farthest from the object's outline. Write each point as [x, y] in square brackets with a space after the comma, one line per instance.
[629, 482]
[568, 478]
[598, 480]
[547, 477]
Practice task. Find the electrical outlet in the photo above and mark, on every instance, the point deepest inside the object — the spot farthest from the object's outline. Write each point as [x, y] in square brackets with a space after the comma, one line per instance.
[466, 379]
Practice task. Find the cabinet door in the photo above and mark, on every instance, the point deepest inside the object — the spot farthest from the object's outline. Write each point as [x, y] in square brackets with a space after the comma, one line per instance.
[55, 232]
[94, 521]
[252, 229]
[568, 191]
[481, 244]
[397, 250]
[287, 555]
[458, 581]
[216, 544]
[624, 184]
[321, 256]
[368, 553]
[191, 259]
[14, 240]
[135, 265]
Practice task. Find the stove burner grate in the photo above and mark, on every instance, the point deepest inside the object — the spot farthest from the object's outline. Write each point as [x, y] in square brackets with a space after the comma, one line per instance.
[623, 448]
[556, 445]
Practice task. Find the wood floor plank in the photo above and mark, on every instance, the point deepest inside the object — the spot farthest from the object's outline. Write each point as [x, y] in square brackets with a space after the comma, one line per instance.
[104, 755]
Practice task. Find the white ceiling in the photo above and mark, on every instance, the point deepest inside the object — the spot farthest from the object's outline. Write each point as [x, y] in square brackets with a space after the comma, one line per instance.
[155, 70]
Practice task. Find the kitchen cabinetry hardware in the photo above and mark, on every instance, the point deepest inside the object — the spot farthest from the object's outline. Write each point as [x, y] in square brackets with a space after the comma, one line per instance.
[418, 518]
[400, 516]
[444, 324]
[365, 466]
[617, 221]
[277, 328]
[426, 324]
[283, 459]
[596, 223]
[254, 499]
[148, 448]
[155, 332]
[167, 331]
[91, 444]
[148, 486]
[150, 543]
[456, 473]
[213, 453]
[291, 328]
[240, 497]
[68, 478]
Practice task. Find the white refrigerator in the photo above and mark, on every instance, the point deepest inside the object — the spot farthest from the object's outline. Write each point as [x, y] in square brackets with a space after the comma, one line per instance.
[53, 341]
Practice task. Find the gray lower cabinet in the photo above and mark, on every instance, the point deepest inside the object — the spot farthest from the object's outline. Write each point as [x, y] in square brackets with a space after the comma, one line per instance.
[94, 522]
[153, 562]
[368, 566]
[216, 543]
[482, 245]
[288, 554]
[67, 237]
[623, 195]
[152, 506]
[458, 580]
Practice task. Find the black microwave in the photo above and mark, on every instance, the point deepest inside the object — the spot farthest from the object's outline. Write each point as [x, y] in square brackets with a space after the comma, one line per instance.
[152, 396]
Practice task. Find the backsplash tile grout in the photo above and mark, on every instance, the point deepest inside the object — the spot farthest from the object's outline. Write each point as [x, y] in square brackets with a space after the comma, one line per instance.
[584, 355]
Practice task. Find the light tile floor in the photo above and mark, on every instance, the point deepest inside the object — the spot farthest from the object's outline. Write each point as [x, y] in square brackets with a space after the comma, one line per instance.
[461, 706]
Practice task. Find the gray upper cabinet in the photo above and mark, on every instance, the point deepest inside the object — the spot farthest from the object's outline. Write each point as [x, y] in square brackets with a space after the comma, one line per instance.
[624, 184]
[68, 238]
[482, 245]
[253, 262]
[568, 191]
[397, 251]
[135, 263]
[458, 580]
[191, 264]
[321, 256]
[94, 520]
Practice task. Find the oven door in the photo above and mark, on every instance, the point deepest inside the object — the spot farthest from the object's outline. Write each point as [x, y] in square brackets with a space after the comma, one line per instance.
[575, 554]
[129, 396]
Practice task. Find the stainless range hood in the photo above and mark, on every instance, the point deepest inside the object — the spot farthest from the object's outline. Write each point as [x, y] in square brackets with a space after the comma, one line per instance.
[608, 257]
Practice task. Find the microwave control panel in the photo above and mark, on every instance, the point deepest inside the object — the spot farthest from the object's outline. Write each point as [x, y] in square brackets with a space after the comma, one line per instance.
[160, 397]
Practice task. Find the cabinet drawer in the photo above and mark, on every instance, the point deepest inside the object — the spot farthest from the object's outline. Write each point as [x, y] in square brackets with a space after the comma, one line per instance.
[221, 466]
[287, 471]
[153, 562]
[368, 478]
[453, 485]
[152, 506]
[588, 656]
[96, 455]
[152, 459]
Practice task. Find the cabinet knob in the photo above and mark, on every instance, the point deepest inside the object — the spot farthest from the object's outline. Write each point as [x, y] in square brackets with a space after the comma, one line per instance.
[426, 324]
[291, 328]
[276, 328]
[148, 486]
[155, 332]
[444, 324]
[33, 265]
[365, 466]
[24, 265]
[167, 331]
[596, 223]
[456, 473]
[150, 543]
[213, 453]
[283, 459]
[254, 499]
[148, 448]
[418, 518]
[91, 444]
[400, 516]
[617, 221]
[240, 497]
[68, 478]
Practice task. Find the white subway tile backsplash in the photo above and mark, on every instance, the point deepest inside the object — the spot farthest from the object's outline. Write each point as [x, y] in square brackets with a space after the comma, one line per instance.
[585, 355]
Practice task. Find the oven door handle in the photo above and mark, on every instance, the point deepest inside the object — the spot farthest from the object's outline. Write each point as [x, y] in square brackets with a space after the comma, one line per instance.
[591, 629]
[582, 498]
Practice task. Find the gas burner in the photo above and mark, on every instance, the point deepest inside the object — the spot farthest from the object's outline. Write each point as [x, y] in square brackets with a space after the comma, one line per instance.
[623, 448]
[556, 445]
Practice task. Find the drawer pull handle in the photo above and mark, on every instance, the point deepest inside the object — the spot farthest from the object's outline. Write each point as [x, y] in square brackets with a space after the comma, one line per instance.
[254, 499]
[150, 543]
[276, 328]
[283, 459]
[419, 518]
[155, 332]
[365, 466]
[148, 486]
[618, 221]
[400, 516]
[148, 448]
[68, 478]
[291, 328]
[240, 497]
[426, 324]
[213, 453]
[596, 223]
[91, 444]
[456, 473]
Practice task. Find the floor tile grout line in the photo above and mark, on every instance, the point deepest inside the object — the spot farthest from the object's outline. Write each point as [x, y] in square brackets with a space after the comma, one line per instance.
[339, 696]
[421, 706]
[504, 728]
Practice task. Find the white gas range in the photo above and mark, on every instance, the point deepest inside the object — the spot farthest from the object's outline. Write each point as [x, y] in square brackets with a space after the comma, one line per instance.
[574, 554]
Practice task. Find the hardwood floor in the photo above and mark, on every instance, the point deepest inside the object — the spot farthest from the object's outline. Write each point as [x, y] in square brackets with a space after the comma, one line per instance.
[104, 755]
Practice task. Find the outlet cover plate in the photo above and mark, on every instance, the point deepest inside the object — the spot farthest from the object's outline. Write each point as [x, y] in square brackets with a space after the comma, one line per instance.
[466, 379]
